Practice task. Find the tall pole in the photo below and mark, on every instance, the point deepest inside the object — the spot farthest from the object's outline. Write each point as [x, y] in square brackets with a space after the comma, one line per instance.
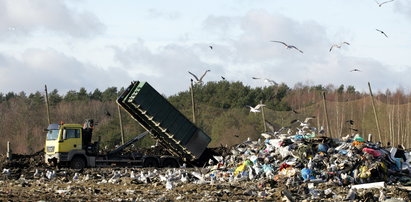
[121, 124]
[47, 105]
[262, 114]
[326, 114]
[375, 112]
[192, 102]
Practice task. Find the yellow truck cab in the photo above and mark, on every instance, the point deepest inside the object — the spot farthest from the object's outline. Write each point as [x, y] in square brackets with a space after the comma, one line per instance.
[67, 144]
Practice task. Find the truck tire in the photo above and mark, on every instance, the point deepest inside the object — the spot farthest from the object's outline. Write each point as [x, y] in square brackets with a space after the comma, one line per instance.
[170, 163]
[78, 162]
[150, 162]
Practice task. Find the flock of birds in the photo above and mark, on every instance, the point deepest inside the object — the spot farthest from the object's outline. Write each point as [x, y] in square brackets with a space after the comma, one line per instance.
[289, 46]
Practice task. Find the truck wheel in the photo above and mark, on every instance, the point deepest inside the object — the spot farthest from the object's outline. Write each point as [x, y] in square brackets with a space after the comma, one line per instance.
[78, 163]
[150, 162]
[170, 163]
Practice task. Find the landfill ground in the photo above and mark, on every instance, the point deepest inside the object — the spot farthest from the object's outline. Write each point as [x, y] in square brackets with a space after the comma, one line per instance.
[22, 185]
[26, 178]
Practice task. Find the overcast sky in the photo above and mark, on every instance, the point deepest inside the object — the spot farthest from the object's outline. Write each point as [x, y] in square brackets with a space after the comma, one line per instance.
[103, 43]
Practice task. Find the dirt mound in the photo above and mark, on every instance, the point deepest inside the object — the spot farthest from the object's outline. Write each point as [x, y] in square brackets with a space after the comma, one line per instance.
[23, 161]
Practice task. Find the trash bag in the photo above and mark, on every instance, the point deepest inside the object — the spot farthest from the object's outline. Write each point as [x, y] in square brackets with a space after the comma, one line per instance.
[322, 148]
[307, 174]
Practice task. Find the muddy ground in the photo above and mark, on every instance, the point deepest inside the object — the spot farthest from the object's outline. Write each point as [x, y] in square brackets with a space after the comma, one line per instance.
[22, 185]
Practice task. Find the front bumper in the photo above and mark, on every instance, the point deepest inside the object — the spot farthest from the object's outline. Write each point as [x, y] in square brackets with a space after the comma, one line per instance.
[56, 158]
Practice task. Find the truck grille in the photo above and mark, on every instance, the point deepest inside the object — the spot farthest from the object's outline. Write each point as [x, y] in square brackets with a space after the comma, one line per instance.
[50, 149]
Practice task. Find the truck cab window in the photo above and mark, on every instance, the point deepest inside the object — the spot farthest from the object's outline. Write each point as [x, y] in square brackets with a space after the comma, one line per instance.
[52, 134]
[72, 133]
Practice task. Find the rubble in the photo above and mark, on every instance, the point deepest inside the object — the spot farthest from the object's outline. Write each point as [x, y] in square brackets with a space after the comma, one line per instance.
[300, 166]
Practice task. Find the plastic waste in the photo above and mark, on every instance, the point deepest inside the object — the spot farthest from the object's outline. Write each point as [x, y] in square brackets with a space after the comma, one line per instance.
[322, 148]
[373, 152]
[307, 174]
[358, 138]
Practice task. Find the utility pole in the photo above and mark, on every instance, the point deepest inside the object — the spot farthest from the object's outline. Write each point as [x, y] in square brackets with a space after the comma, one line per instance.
[47, 105]
[326, 114]
[192, 101]
[262, 114]
[121, 125]
[375, 113]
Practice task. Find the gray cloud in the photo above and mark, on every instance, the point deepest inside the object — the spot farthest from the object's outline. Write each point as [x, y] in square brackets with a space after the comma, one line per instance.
[251, 54]
[22, 17]
[167, 68]
[59, 71]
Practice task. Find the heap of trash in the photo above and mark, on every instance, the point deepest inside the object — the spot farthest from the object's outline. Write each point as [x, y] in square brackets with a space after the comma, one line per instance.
[309, 166]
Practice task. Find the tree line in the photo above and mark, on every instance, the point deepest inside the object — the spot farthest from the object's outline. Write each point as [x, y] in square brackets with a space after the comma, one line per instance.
[220, 110]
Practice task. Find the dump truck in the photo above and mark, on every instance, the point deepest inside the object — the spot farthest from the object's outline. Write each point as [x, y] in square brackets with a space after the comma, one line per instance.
[70, 144]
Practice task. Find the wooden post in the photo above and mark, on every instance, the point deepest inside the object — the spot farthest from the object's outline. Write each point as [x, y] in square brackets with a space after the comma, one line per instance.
[121, 124]
[192, 102]
[8, 154]
[262, 113]
[375, 113]
[326, 115]
[47, 105]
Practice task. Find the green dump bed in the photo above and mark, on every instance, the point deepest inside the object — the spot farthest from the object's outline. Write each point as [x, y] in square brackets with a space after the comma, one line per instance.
[168, 125]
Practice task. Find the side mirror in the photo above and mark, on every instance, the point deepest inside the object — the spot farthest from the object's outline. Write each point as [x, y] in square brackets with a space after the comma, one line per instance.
[45, 130]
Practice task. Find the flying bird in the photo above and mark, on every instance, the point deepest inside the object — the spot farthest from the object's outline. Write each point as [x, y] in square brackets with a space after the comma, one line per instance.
[355, 70]
[222, 77]
[382, 32]
[108, 113]
[351, 122]
[305, 123]
[288, 46]
[272, 82]
[199, 80]
[211, 47]
[384, 2]
[256, 108]
[339, 45]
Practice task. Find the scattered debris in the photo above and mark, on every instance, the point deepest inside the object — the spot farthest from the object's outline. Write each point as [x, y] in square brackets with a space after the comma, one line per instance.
[292, 164]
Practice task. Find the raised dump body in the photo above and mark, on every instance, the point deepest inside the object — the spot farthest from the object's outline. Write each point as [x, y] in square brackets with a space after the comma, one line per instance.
[168, 125]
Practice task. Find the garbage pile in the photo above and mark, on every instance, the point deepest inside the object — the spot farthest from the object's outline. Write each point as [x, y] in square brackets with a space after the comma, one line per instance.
[315, 164]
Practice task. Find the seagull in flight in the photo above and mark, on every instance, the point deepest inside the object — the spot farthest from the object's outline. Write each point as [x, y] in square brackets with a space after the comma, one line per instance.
[288, 46]
[382, 32]
[199, 80]
[256, 109]
[380, 4]
[272, 82]
[338, 45]
[355, 70]
[305, 123]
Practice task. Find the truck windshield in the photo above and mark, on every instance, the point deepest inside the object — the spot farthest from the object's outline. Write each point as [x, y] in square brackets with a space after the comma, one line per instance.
[52, 134]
